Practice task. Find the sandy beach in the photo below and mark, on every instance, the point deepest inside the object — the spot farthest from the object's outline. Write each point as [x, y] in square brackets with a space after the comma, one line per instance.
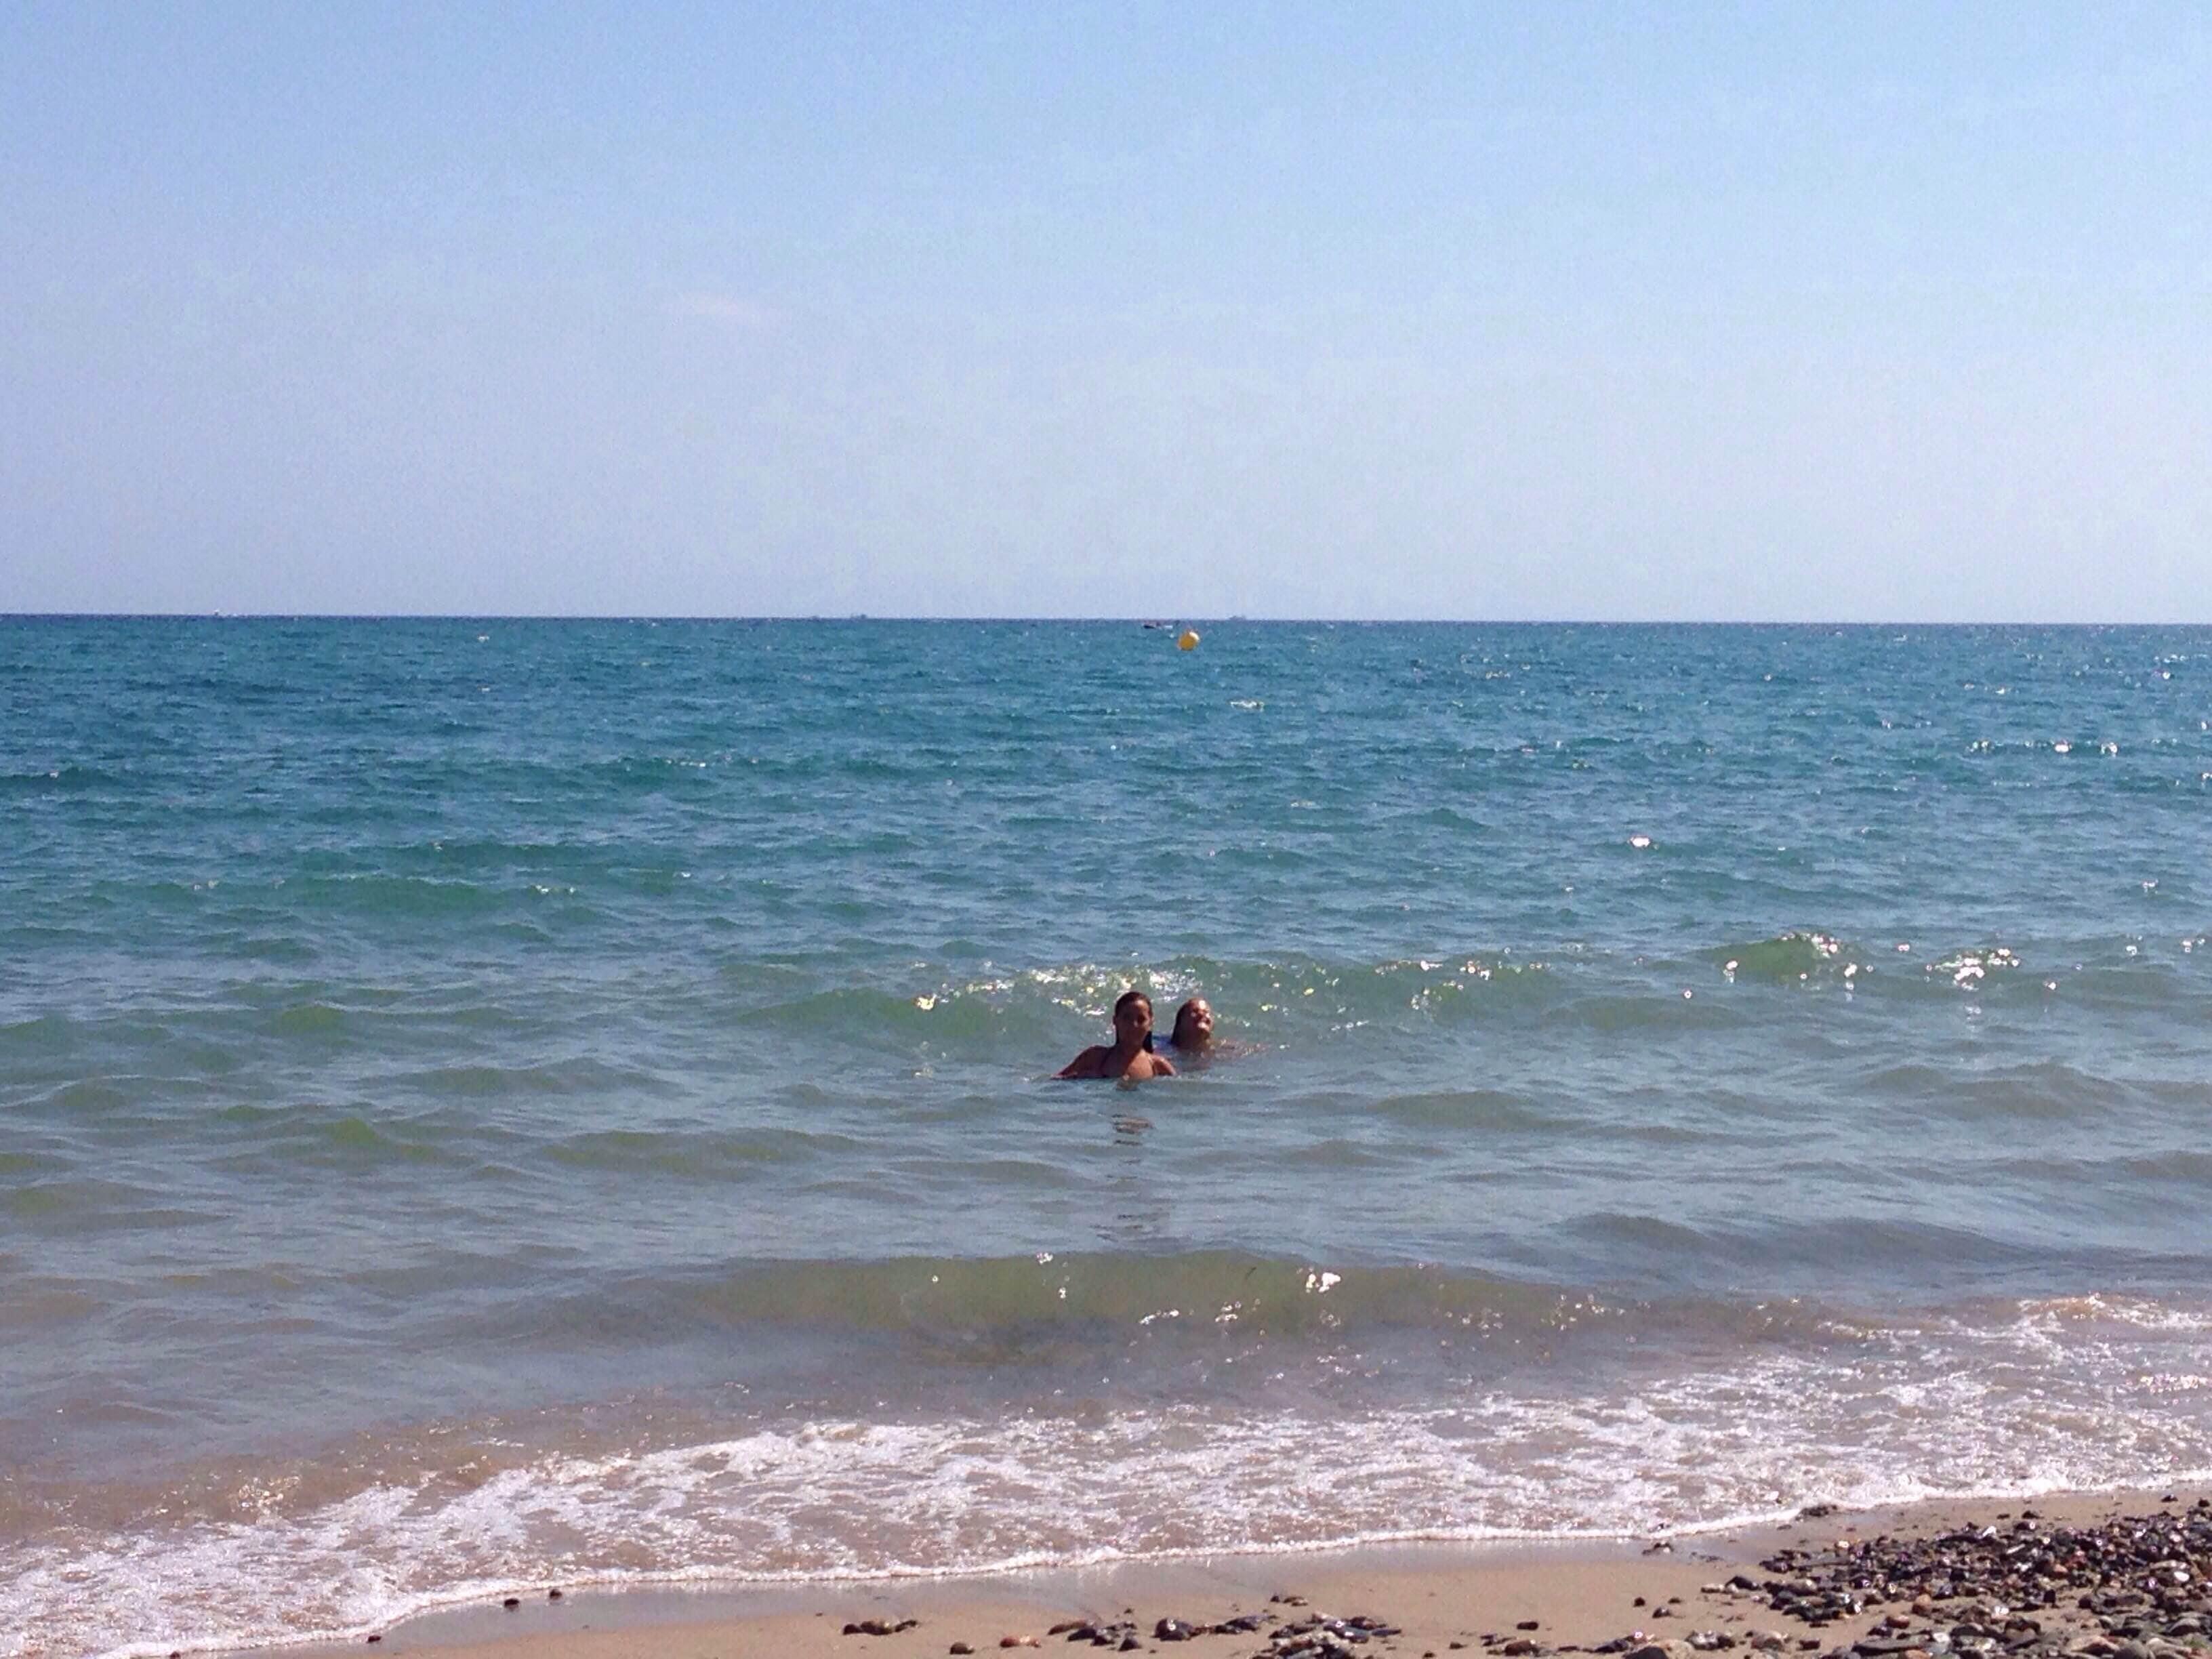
[2089, 1573]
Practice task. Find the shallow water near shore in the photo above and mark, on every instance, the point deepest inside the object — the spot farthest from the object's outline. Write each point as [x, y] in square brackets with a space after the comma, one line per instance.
[500, 1103]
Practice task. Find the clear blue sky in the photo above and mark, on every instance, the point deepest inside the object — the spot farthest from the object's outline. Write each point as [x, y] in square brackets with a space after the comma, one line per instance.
[1776, 311]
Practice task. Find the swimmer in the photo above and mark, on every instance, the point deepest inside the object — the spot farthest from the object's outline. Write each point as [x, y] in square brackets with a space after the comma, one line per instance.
[1193, 1028]
[1130, 1054]
[1194, 1040]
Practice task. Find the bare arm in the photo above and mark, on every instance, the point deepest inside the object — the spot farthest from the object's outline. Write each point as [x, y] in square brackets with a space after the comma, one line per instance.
[1084, 1065]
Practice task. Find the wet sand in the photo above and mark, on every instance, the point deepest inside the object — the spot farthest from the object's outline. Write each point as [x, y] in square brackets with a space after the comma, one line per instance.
[1416, 1601]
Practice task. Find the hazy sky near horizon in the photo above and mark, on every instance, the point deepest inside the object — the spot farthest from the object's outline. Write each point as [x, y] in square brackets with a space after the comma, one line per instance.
[1846, 311]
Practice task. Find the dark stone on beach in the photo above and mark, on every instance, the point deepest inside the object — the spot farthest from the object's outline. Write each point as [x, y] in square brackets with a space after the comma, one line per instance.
[1527, 1624]
[1173, 1629]
[1319, 1637]
[1099, 1635]
[1816, 1511]
[1065, 1626]
[552, 1595]
[1519, 1647]
[1243, 1624]
[512, 1603]
[960, 1647]
[1130, 1644]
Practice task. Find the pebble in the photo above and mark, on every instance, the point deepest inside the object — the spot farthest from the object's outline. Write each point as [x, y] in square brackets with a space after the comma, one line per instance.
[2138, 1578]
[1319, 1637]
[2130, 1588]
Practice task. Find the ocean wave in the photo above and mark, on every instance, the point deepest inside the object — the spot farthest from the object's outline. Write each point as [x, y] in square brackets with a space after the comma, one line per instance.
[1591, 985]
[2006, 1400]
[956, 1299]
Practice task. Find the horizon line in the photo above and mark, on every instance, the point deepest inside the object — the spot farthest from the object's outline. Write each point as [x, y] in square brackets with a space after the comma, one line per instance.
[1155, 623]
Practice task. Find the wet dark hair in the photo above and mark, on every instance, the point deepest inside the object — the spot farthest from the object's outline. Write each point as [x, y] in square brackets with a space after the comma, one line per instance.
[1125, 1000]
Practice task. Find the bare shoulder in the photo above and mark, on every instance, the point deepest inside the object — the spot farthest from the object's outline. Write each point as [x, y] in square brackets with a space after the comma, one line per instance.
[1086, 1064]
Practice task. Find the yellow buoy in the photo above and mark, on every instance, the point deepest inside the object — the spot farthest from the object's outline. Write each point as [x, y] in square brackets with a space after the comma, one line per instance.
[1187, 640]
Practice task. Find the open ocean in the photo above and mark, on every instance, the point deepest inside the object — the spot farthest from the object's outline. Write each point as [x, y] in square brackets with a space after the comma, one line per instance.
[496, 1104]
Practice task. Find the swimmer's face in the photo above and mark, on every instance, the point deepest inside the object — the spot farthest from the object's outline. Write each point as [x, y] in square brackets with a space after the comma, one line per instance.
[1194, 1024]
[1132, 1020]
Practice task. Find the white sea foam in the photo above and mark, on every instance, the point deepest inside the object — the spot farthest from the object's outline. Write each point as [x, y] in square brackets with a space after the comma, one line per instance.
[2080, 1393]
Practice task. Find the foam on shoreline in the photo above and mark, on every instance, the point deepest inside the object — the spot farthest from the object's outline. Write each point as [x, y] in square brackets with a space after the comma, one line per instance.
[1580, 1593]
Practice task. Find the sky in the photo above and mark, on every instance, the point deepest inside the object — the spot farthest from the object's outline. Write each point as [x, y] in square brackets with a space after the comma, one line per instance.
[1851, 312]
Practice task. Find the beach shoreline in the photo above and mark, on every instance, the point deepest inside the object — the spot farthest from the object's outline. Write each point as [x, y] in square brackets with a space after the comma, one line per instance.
[1517, 1598]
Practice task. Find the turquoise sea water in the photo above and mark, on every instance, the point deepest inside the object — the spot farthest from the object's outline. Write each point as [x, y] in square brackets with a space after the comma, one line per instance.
[488, 1104]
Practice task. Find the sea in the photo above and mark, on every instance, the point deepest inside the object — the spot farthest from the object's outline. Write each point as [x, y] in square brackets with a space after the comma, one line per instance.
[491, 1105]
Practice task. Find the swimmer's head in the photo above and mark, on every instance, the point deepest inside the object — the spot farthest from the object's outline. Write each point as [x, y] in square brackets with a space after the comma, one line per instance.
[1194, 1024]
[1133, 1021]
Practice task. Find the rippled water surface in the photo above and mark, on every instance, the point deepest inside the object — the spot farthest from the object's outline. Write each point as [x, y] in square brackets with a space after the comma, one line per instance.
[505, 1102]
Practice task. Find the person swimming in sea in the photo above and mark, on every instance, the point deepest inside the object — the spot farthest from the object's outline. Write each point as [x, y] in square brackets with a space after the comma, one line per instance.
[1193, 1032]
[1194, 1040]
[1130, 1054]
